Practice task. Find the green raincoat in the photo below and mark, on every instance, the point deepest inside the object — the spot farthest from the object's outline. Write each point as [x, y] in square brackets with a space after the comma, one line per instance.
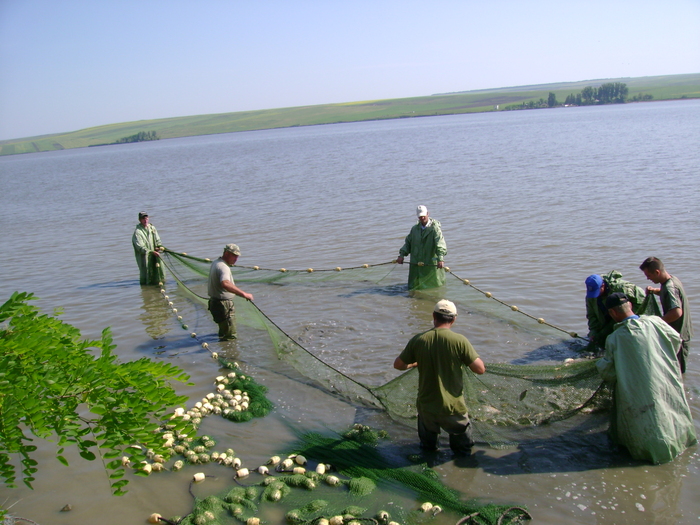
[426, 246]
[600, 324]
[145, 241]
[650, 416]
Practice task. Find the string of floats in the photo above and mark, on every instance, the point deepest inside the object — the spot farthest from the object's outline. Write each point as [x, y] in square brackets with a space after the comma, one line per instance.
[466, 282]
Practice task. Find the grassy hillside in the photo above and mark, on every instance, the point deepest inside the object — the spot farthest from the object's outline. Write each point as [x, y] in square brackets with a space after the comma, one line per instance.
[661, 87]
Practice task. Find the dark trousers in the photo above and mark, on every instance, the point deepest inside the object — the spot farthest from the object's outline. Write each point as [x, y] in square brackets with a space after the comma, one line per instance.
[223, 312]
[458, 427]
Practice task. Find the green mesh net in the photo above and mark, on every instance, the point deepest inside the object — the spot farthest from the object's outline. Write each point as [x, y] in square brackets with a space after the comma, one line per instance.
[339, 351]
[506, 400]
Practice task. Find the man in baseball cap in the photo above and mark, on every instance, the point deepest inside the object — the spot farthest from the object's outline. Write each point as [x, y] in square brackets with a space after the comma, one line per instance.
[598, 289]
[427, 248]
[147, 248]
[650, 416]
[222, 290]
[439, 355]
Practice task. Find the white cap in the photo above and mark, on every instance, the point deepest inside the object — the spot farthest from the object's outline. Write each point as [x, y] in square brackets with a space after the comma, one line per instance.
[421, 211]
[446, 307]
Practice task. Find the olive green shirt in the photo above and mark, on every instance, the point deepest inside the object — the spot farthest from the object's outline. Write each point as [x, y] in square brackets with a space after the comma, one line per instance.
[440, 354]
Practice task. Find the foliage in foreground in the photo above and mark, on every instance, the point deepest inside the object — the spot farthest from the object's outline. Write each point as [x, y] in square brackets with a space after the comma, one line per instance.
[55, 385]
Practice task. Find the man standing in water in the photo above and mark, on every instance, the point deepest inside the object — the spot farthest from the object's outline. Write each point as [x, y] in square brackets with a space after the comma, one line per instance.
[439, 355]
[674, 303]
[427, 248]
[651, 417]
[147, 246]
[221, 291]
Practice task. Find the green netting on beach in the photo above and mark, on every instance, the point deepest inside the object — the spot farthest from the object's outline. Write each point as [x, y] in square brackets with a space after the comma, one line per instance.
[502, 402]
[346, 479]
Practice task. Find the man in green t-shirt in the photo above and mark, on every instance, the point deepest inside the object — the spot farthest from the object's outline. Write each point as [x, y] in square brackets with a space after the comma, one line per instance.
[674, 303]
[439, 355]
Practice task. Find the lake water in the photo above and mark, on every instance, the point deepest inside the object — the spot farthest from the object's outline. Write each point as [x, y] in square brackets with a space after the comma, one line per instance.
[531, 203]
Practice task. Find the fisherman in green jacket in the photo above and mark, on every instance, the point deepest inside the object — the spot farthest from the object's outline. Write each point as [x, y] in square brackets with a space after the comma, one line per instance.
[147, 246]
[427, 248]
[650, 415]
[598, 289]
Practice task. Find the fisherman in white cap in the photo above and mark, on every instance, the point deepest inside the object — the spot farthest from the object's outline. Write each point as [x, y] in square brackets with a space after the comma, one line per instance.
[222, 290]
[439, 355]
[427, 248]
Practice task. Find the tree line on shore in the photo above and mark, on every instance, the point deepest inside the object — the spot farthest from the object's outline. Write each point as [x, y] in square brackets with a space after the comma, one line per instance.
[609, 93]
[141, 136]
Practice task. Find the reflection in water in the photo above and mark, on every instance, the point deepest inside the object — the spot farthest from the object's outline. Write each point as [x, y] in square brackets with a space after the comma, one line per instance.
[154, 317]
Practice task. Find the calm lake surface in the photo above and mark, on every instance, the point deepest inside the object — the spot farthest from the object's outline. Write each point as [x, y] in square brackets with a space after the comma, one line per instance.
[531, 203]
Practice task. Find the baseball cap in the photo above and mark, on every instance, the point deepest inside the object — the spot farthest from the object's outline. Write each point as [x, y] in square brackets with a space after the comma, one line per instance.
[142, 215]
[446, 307]
[421, 211]
[593, 284]
[616, 299]
[232, 248]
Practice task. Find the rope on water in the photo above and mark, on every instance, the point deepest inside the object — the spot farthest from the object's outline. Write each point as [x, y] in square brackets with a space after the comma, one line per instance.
[514, 308]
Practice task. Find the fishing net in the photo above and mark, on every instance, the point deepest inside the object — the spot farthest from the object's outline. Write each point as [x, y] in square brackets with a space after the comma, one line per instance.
[340, 348]
[331, 338]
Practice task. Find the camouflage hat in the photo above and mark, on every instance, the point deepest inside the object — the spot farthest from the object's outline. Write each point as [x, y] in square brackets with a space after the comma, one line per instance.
[446, 307]
[232, 248]
[142, 215]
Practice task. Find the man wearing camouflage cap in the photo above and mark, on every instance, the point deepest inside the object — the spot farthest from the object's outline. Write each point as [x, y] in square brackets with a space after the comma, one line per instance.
[439, 355]
[222, 290]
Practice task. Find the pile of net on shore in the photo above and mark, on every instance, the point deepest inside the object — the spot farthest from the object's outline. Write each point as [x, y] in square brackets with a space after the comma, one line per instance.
[349, 481]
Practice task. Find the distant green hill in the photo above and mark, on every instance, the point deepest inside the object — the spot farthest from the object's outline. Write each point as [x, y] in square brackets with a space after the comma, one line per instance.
[666, 87]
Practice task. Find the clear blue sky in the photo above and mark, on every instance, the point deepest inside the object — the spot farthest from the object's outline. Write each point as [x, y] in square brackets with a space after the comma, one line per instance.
[70, 64]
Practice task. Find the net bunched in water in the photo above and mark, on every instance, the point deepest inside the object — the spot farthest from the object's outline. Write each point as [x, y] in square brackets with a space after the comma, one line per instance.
[501, 402]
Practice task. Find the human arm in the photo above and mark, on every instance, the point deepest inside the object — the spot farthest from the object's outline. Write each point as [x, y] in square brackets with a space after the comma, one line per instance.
[400, 365]
[477, 366]
[673, 315]
[606, 364]
[651, 289]
[140, 241]
[407, 359]
[406, 248]
[158, 246]
[230, 287]
[596, 319]
[440, 245]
